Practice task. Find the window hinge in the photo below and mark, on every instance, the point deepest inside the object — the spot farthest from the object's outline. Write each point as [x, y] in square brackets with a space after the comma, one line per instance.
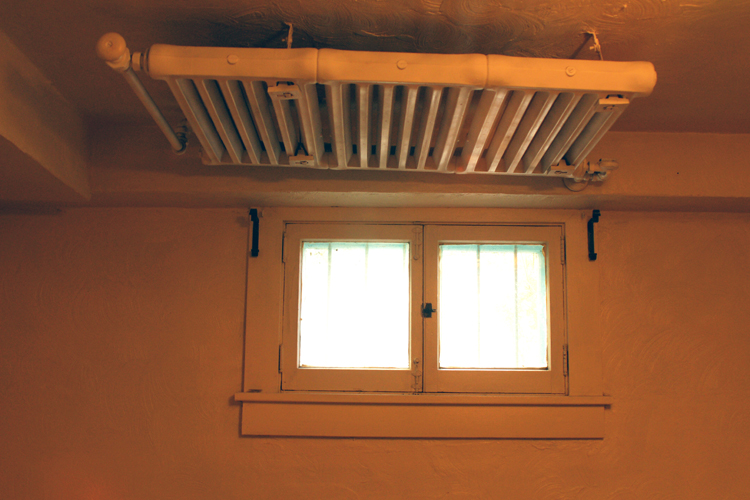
[565, 360]
[563, 255]
[280, 357]
[417, 375]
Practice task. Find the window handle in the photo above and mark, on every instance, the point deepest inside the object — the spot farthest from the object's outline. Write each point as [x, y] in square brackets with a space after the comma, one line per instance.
[427, 310]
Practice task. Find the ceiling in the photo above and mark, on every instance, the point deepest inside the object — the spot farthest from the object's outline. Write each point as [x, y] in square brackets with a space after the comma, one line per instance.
[73, 133]
[699, 47]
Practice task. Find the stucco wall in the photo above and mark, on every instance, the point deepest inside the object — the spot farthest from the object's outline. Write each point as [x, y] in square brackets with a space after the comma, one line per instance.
[121, 339]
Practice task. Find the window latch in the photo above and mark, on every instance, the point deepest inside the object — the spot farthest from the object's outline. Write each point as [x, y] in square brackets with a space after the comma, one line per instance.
[427, 310]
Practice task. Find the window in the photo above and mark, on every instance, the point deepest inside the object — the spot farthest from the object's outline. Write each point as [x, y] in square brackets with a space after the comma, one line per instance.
[512, 350]
[349, 316]
[500, 324]
[354, 296]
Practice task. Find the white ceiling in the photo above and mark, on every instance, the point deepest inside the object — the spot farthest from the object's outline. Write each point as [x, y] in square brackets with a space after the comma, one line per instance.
[699, 47]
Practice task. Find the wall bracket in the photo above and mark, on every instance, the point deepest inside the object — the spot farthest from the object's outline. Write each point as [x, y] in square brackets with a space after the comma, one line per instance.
[594, 219]
[256, 222]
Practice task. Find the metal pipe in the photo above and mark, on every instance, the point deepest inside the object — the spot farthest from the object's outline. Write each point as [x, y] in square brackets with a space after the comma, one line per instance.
[135, 83]
[113, 50]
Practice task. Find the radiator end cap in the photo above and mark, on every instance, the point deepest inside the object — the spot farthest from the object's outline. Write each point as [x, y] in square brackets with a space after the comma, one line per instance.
[112, 48]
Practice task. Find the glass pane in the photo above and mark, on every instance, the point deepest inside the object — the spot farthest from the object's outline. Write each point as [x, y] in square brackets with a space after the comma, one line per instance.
[354, 305]
[493, 306]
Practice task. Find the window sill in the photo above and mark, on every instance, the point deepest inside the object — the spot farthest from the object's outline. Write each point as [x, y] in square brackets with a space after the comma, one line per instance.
[433, 416]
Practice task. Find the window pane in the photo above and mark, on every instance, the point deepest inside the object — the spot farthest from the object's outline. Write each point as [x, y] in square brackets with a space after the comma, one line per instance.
[354, 307]
[492, 306]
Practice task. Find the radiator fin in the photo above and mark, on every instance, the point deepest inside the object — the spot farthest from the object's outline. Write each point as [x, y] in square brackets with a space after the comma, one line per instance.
[415, 123]
[387, 97]
[554, 120]
[490, 105]
[195, 111]
[364, 105]
[578, 119]
[241, 114]
[309, 117]
[427, 123]
[511, 117]
[339, 107]
[455, 109]
[219, 113]
[258, 98]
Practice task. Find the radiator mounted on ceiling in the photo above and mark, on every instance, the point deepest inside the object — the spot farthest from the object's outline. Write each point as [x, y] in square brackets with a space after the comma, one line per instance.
[347, 110]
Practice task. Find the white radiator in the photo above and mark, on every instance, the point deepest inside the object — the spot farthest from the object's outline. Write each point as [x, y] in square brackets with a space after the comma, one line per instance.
[396, 111]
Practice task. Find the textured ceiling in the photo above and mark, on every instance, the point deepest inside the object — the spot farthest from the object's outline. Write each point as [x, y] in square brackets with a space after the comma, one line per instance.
[699, 47]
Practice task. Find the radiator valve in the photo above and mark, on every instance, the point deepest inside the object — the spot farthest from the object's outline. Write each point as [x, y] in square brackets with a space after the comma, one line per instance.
[598, 171]
[587, 172]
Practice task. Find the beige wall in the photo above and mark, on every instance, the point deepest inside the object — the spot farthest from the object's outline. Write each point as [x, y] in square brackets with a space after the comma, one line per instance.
[121, 338]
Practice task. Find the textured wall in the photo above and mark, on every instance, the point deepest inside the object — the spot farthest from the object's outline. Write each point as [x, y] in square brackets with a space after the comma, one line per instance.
[121, 334]
[43, 141]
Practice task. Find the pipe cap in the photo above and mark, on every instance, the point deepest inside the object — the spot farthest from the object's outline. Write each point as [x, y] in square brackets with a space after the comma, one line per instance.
[111, 47]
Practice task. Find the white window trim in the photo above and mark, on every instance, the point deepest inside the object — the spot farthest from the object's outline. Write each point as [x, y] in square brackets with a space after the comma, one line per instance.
[267, 411]
[294, 378]
[550, 381]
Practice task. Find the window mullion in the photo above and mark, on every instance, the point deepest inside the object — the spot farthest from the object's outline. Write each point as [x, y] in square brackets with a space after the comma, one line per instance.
[515, 298]
[478, 304]
[417, 302]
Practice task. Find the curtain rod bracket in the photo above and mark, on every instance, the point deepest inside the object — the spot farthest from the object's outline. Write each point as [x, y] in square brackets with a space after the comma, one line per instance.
[256, 222]
[594, 219]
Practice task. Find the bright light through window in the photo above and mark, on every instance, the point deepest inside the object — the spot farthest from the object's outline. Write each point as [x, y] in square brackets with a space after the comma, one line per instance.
[354, 307]
[492, 306]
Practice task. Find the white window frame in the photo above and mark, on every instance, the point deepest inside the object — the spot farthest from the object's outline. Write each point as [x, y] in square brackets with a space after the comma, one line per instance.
[295, 378]
[268, 411]
[506, 381]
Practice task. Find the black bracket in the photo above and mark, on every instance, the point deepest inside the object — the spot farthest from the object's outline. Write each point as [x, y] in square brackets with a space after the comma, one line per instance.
[594, 219]
[254, 217]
